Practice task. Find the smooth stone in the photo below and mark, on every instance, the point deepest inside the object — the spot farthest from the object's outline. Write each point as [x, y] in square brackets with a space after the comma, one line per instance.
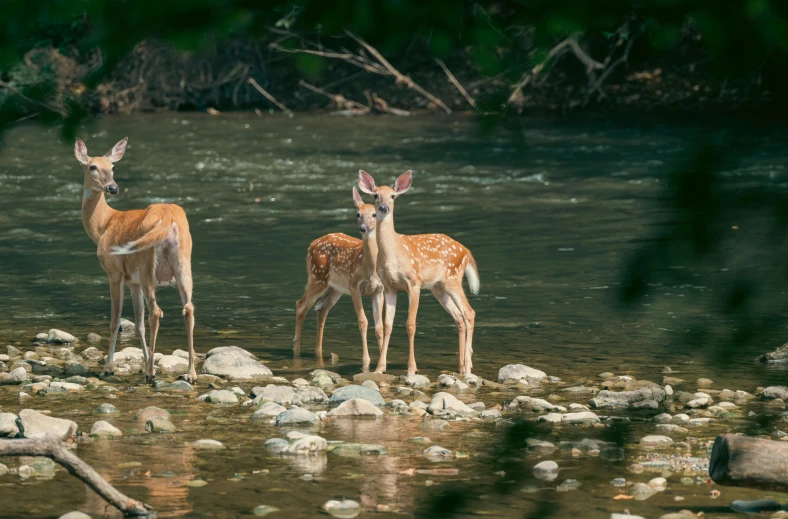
[356, 407]
[229, 349]
[221, 396]
[106, 409]
[322, 381]
[311, 395]
[353, 391]
[207, 445]
[263, 510]
[345, 509]
[103, 429]
[3, 470]
[625, 516]
[705, 382]
[658, 484]
[234, 365]
[656, 440]
[60, 337]
[551, 418]
[417, 381]
[8, 427]
[177, 386]
[443, 401]
[490, 414]
[370, 384]
[756, 506]
[539, 447]
[93, 338]
[437, 453]
[16, 376]
[772, 392]
[445, 380]
[37, 425]
[306, 444]
[180, 353]
[74, 367]
[13, 351]
[143, 415]
[92, 353]
[296, 416]
[516, 372]
[74, 515]
[616, 400]
[663, 418]
[546, 470]
[282, 395]
[276, 445]
[357, 449]
[158, 424]
[581, 417]
[641, 491]
[267, 411]
[378, 378]
[173, 365]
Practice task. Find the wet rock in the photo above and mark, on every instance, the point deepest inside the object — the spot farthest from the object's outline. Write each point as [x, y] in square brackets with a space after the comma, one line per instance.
[416, 381]
[581, 417]
[772, 392]
[658, 484]
[66, 387]
[778, 355]
[351, 450]
[459, 387]
[754, 507]
[551, 418]
[698, 403]
[673, 381]
[345, 509]
[207, 445]
[311, 395]
[282, 395]
[92, 353]
[539, 447]
[234, 364]
[75, 368]
[353, 391]
[13, 351]
[513, 373]
[680, 418]
[175, 387]
[578, 391]
[663, 418]
[356, 407]
[158, 424]
[276, 445]
[306, 444]
[669, 428]
[656, 440]
[263, 510]
[8, 427]
[296, 416]
[267, 411]
[143, 415]
[445, 380]
[17, 376]
[705, 382]
[490, 414]
[173, 365]
[699, 422]
[322, 381]
[56, 336]
[437, 453]
[369, 384]
[378, 378]
[641, 491]
[36, 425]
[431, 424]
[220, 396]
[30, 355]
[546, 470]
[93, 338]
[103, 429]
[74, 515]
[181, 353]
[106, 409]
[442, 401]
[129, 355]
[536, 405]
[617, 400]
[742, 397]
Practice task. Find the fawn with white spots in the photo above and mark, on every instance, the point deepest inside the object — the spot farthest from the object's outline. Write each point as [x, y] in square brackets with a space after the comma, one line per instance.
[410, 263]
[143, 248]
[337, 264]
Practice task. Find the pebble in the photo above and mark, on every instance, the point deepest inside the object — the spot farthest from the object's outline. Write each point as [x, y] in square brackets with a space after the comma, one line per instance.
[437, 453]
[207, 445]
[345, 509]
[103, 429]
[546, 470]
[263, 510]
[74, 515]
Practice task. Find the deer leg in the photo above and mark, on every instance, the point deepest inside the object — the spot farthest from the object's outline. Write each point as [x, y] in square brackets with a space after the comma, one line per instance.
[414, 292]
[116, 296]
[153, 322]
[324, 305]
[138, 301]
[391, 308]
[363, 325]
[307, 301]
[448, 304]
[183, 275]
[469, 317]
[377, 317]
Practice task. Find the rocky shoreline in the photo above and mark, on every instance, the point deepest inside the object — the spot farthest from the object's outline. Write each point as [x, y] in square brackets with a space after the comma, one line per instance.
[672, 423]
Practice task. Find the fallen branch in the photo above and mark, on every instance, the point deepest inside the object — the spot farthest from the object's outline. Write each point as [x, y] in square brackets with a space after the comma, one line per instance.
[58, 452]
[610, 67]
[268, 96]
[342, 102]
[456, 83]
[517, 92]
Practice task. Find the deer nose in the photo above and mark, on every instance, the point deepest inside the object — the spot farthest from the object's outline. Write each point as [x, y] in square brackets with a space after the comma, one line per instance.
[363, 227]
[112, 189]
[383, 208]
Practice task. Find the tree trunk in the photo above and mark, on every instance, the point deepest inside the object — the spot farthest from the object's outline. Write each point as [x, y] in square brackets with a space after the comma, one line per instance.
[742, 461]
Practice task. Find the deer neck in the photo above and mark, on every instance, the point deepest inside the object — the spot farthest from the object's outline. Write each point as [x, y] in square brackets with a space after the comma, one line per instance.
[95, 213]
[370, 248]
[387, 240]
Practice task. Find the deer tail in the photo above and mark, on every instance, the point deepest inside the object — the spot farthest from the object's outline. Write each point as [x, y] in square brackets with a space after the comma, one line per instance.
[472, 273]
[158, 233]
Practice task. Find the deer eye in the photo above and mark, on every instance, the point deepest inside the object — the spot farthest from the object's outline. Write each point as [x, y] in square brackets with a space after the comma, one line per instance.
[393, 197]
[376, 196]
[374, 214]
[93, 168]
[358, 215]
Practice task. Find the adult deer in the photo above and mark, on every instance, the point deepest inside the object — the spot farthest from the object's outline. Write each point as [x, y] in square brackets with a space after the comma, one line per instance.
[410, 263]
[337, 264]
[141, 248]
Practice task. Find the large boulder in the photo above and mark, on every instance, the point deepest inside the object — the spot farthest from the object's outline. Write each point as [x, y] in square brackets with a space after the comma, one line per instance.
[234, 364]
[282, 395]
[56, 336]
[353, 391]
[778, 355]
[8, 427]
[229, 349]
[623, 399]
[356, 407]
[16, 376]
[36, 425]
[296, 416]
[513, 373]
[442, 401]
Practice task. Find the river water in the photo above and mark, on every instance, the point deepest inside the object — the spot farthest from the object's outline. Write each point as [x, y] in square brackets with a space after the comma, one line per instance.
[551, 212]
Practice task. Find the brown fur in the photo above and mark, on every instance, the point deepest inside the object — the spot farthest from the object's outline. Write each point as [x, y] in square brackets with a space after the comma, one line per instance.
[337, 264]
[143, 248]
[408, 263]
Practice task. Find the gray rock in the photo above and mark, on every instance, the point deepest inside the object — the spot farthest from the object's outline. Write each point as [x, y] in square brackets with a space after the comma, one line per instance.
[296, 416]
[8, 427]
[437, 453]
[345, 509]
[352, 450]
[443, 400]
[581, 417]
[234, 365]
[490, 414]
[282, 395]
[551, 418]
[656, 440]
[772, 392]
[75, 368]
[267, 411]
[352, 391]
[356, 407]
[622, 399]
[177, 386]
[173, 365]
[311, 395]
[17, 376]
[106, 409]
[459, 387]
[756, 506]
[207, 445]
[370, 384]
[36, 425]
[263, 510]
[536, 405]
[546, 470]
[13, 351]
[93, 338]
[3, 470]
[417, 381]
[103, 429]
[306, 444]
[143, 415]
[158, 424]
[445, 380]
[778, 355]
[74, 515]
[220, 396]
[229, 349]
[129, 355]
[60, 337]
[513, 373]
[539, 447]
[663, 418]
[276, 445]
[92, 354]
[181, 353]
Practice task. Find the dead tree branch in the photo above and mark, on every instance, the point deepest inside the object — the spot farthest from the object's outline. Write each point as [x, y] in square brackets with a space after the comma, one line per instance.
[341, 102]
[268, 96]
[58, 452]
[456, 83]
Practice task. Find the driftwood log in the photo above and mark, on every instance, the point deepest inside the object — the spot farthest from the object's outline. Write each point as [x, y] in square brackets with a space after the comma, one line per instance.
[742, 461]
[59, 452]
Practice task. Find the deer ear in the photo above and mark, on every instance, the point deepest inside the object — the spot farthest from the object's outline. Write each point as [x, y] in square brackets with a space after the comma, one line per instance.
[81, 152]
[365, 182]
[117, 151]
[357, 198]
[402, 183]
